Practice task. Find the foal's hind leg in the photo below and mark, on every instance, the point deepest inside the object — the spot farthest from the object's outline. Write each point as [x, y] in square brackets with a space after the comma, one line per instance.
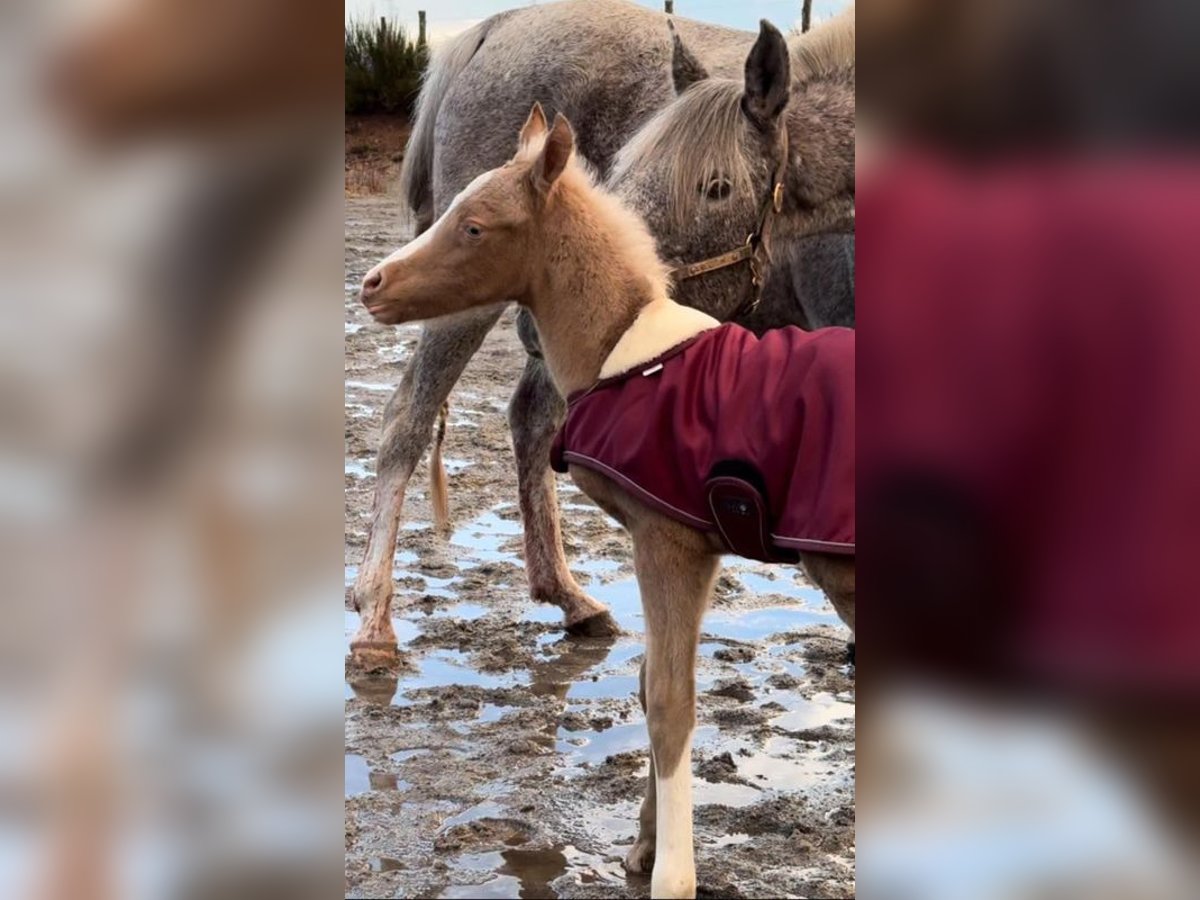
[640, 858]
[676, 570]
[534, 414]
[441, 355]
[835, 575]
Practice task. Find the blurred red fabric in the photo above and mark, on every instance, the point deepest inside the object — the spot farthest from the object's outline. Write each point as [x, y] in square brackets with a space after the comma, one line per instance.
[1030, 418]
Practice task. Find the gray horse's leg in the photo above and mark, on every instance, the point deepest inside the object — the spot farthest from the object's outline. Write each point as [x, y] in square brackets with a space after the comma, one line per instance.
[534, 414]
[441, 355]
[640, 858]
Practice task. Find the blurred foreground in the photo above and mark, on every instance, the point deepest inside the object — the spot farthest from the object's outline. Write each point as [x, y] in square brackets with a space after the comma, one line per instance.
[1029, 488]
[170, 503]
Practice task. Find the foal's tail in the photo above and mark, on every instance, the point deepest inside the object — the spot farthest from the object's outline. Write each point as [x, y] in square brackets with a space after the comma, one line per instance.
[416, 173]
[439, 489]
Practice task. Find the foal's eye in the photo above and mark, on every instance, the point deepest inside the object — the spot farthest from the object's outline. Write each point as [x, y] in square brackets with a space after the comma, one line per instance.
[473, 230]
[717, 189]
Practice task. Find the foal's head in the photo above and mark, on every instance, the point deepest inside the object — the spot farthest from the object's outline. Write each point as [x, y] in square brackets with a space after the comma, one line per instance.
[488, 245]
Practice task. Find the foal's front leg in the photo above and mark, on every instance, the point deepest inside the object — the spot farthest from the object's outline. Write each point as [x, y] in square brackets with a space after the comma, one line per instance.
[676, 571]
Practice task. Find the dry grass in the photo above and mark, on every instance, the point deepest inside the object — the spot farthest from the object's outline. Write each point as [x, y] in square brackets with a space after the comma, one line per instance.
[374, 152]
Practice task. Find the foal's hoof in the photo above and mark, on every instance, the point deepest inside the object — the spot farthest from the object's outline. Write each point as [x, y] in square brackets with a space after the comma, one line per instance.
[640, 858]
[369, 656]
[598, 625]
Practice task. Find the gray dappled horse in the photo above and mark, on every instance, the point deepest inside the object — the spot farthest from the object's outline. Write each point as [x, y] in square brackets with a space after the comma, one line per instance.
[649, 109]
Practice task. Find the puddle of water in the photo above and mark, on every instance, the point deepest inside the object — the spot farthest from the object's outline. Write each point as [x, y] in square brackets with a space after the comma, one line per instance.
[360, 779]
[610, 686]
[727, 840]
[772, 770]
[357, 468]
[623, 598]
[488, 809]
[447, 667]
[598, 745]
[757, 583]
[385, 864]
[491, 712]
[357, 775]
[822, 709]
[370, 386]
[756, 624]
[527, 872]
[732, 795]
[468, 611]
[454, 465]
[402, 755]
[484, 535]
[595, 569]
[543, 612]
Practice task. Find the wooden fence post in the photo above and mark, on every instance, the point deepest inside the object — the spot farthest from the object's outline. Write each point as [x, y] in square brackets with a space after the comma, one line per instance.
[420, 28]
[806, 16]
[670, 4]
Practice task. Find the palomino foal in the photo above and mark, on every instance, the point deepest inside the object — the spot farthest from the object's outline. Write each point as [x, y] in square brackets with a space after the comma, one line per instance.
[539, 231]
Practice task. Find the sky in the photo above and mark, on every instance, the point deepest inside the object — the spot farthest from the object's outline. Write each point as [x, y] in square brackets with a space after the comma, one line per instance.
[448, 17]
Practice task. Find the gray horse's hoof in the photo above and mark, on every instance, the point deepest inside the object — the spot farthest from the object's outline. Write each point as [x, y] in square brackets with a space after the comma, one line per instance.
[602, 624]
[640, 858]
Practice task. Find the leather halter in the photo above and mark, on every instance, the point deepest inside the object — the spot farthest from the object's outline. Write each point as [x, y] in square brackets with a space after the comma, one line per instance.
[755, 250]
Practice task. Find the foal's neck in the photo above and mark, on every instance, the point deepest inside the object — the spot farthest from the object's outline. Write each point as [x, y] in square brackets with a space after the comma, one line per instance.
[600, 271]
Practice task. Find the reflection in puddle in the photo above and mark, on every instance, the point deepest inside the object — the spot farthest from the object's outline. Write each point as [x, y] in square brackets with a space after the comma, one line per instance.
[528, 873]
[360, 778]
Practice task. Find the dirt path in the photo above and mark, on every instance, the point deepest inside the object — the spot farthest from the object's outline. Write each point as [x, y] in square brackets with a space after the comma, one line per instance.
[507, 761]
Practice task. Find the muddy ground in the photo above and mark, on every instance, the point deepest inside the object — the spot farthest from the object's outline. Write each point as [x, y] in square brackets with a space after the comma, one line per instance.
[508, 761]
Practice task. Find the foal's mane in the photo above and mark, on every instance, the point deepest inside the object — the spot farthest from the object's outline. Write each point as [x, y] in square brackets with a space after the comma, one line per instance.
[625, 233]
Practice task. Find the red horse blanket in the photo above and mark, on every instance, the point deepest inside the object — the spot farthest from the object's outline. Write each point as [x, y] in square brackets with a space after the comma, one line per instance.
[726, 409]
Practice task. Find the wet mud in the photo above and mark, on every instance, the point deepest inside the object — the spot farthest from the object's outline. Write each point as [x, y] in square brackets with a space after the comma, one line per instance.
[501, 759]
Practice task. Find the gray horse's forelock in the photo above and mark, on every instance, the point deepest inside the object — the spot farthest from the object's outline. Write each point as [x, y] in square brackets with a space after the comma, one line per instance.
[694, 140]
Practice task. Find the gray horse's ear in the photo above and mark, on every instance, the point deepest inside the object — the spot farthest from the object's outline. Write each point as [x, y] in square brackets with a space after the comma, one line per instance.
[686, 70]
[535, 125]
[556, 153]
[768, 77]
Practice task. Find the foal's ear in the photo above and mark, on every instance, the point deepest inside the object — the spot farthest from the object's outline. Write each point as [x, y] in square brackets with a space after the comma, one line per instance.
[686, 70]
[535, 125]
[768, 77]
[556, 153]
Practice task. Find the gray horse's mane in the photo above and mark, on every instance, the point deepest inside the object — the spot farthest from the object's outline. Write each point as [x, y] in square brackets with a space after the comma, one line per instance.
[698, 137]
[827, 48]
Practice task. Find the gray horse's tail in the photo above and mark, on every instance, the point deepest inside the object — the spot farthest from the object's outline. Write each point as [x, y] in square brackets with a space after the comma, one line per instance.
[416, 174]
[439, 490]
